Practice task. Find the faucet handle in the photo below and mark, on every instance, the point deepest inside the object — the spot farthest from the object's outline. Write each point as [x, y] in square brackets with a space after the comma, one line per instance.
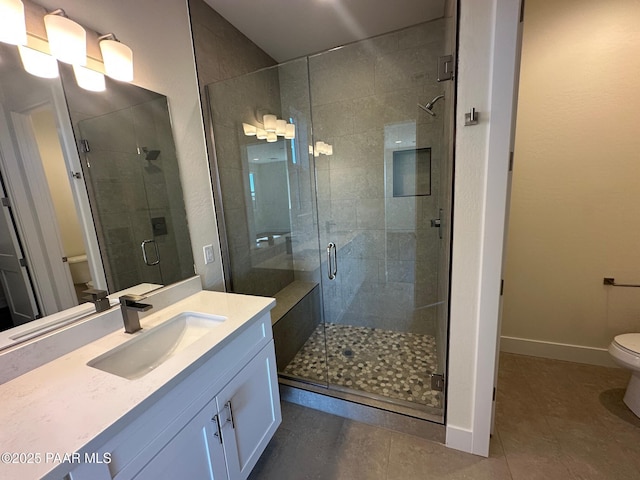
[130, 298]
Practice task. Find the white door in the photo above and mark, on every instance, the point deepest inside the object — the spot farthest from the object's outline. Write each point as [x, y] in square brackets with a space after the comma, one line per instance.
[506, 215]
[249, 413]
[13, 275]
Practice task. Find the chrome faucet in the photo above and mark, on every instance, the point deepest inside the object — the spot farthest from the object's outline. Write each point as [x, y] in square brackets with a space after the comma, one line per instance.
[130, 306]
[99, 299]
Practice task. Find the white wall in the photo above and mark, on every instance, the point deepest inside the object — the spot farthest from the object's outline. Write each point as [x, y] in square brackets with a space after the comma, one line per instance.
[159, 33]
[486, 62]
[575, 201]
[46, 134]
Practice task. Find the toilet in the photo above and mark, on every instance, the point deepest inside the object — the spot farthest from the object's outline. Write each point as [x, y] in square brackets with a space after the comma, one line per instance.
[625, 351]
[79, 267]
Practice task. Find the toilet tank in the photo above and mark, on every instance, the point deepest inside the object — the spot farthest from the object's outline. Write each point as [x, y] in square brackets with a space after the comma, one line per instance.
[79, 267]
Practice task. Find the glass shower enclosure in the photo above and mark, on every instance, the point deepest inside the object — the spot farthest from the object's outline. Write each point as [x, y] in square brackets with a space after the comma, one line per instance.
[347, 223]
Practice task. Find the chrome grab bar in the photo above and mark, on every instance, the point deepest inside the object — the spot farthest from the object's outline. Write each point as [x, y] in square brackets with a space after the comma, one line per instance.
[332, 271]
[612, 283]
[144, 252]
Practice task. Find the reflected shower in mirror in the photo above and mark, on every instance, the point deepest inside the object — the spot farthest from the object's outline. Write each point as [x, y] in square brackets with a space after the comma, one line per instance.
[53, 192]
[130, 167]
[269, 191]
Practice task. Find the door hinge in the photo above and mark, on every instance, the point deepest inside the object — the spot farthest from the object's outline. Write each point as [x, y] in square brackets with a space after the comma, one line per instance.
[22, 262]
[85, 145]
[437, 382]
[6, 202]
[501, 286]
[511, 161]
[494, 394]
[521, 11]
[77, 175]
[446, 68]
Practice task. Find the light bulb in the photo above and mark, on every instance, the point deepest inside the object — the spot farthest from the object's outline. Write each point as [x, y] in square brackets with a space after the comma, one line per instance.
[38, 63]
[118, 60]
[89, 79]
[249, 130]
[67, 39]
[13, 28]
[269, 122]
[290, 131]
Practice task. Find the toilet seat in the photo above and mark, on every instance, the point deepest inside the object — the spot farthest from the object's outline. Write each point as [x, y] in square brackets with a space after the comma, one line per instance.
[629, 342]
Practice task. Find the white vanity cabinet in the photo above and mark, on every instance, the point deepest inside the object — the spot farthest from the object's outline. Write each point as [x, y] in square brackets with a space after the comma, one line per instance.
[231, 431]
[214, 424]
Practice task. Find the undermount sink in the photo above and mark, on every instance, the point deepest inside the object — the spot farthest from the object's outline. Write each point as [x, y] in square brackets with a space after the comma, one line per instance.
[151, 348]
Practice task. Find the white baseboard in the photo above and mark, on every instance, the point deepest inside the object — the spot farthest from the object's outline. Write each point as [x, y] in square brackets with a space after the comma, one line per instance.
[557, 351]
[459, 439]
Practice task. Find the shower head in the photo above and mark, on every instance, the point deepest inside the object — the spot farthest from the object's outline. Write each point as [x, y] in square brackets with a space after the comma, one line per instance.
[427, 109]
[152, 154]
[149, 154]
[429, 106]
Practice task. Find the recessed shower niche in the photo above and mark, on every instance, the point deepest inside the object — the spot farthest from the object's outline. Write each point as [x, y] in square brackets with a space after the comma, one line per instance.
[412, 172]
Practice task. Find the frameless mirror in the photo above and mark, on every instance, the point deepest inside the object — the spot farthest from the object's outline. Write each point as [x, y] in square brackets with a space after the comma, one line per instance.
[91, 193]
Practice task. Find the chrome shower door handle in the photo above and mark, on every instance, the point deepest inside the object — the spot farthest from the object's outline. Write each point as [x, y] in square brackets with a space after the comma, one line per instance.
[332, 271]
[144, 252]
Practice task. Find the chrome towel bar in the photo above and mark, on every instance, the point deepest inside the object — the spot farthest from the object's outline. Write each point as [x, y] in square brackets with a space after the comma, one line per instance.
[612, 282]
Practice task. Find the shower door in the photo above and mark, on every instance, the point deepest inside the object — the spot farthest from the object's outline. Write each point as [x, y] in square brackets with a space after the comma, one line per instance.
[383, 181]
[131, 173]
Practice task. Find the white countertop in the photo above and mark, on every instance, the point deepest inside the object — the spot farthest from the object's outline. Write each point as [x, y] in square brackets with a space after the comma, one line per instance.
[64, 404]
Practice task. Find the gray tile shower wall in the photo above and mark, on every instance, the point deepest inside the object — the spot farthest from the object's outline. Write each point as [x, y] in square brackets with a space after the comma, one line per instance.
[363, 98]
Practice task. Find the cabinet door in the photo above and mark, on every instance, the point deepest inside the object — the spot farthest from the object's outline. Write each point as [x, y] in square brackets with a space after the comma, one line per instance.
[195, 452]
[249, 409]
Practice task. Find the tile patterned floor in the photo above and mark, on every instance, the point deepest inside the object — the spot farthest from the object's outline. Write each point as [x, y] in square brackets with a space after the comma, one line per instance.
[396, 365]
[555, 421]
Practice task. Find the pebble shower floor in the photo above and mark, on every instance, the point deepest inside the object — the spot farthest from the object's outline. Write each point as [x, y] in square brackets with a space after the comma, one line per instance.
[392, 364]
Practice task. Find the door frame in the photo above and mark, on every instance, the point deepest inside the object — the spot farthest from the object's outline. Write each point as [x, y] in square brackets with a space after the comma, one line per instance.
[52, 275]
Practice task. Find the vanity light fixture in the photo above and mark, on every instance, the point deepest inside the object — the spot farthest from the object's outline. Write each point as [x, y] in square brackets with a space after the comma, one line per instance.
[269, 122]
[322, 148]
[274, 127]
[67, 39]
[38, 63]
[13, 27]
[117, 58]
[89, 79]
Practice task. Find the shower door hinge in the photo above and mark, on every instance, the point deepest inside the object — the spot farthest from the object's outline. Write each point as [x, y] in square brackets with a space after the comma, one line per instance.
[437, 382]
[85, 145]
[445, 68]
[6, 202]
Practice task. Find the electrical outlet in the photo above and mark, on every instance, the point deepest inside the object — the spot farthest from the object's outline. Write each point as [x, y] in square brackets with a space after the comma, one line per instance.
[208, 254]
